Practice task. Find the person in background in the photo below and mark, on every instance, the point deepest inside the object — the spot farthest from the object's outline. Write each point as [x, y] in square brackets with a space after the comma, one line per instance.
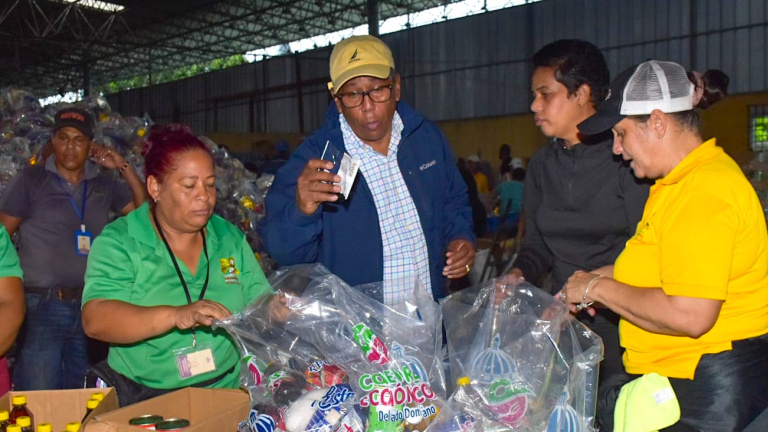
[510, 193]
[473, 166]
[580, 203]
[59, 207]
[709, 88]
[159, 277]
[281, 156]
[407, 213]
[505, 157]
[479, 216]
[691, 286]
[11, 304]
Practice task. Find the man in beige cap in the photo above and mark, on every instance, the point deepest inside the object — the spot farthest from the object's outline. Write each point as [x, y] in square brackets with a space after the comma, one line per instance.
[407, 214]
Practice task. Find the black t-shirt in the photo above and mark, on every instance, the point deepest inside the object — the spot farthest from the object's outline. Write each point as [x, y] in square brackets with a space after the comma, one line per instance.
[581, 205]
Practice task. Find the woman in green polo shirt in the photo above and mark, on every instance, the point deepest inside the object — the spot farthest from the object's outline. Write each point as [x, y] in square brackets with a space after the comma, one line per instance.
[11, 303]
[158, 277]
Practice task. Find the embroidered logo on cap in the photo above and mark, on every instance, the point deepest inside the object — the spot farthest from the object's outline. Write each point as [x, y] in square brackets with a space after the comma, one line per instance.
[72, 115]
[354, 57]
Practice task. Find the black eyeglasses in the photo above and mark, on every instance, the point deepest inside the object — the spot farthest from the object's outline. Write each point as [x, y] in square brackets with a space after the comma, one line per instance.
[355, 99]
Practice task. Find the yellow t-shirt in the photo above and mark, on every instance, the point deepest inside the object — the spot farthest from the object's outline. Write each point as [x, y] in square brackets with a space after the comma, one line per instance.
[482, 183]
[703, 235]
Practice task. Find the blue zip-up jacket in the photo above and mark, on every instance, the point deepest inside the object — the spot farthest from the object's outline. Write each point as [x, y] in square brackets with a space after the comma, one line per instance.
[344, 236]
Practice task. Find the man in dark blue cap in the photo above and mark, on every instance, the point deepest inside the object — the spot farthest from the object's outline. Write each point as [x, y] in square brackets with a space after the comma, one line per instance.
[58, 208]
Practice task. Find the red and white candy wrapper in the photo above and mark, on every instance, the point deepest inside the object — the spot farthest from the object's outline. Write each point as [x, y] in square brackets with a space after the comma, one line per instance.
[321, 374]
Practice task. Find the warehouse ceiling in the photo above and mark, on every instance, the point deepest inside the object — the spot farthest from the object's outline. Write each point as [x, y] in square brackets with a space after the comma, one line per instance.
[52, 46]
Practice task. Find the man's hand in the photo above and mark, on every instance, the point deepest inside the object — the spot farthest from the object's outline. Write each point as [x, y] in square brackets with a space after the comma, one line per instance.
[106, 156]
[199, 313]
[316, 186]
[461, 258]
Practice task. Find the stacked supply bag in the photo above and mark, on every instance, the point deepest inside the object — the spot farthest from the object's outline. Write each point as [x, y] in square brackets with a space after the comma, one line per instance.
[322, 356]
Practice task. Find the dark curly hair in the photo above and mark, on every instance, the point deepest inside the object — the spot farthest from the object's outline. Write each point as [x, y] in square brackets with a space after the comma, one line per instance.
[576, 62]
[715, 87]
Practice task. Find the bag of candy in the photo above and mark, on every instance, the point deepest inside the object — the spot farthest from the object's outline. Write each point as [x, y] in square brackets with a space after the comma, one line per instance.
[377, 369]
[518, 350]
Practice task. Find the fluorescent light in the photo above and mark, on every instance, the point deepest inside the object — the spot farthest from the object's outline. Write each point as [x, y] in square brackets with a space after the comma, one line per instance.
[97, 4]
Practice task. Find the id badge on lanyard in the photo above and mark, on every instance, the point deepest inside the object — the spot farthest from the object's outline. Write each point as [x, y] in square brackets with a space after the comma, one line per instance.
[198, 358]
[194, 360]
[83, 240]
[83, 237]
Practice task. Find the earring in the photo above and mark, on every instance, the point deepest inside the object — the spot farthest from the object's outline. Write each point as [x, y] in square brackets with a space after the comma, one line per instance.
[155, 200]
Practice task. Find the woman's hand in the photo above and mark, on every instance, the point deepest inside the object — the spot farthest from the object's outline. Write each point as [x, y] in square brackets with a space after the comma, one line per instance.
[278, 308]
[575, 292]
[199, 313]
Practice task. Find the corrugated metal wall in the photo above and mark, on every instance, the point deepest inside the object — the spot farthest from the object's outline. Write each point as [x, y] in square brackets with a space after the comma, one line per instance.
[476, 66]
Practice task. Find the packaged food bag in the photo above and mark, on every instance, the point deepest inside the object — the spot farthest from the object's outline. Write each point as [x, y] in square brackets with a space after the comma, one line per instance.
[519, 351]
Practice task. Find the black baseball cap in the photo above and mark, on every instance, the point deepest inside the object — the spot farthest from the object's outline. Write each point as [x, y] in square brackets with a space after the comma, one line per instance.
[77, 118]
[639, 90]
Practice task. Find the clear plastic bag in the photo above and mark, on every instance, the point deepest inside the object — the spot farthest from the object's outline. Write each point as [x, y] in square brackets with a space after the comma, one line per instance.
[530, 364]
[366, 366]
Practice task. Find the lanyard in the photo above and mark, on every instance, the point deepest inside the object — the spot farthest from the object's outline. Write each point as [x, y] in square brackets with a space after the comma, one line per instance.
[178, 270]
[80, 212]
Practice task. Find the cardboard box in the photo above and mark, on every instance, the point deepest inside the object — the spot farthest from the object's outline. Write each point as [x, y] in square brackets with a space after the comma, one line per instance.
[208, 410]
[60, 407]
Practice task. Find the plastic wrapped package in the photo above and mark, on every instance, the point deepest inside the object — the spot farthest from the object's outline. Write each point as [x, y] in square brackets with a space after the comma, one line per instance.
[279, 368]
[29, 124]
[98, 106]
[465, 412]
[18, 100]
[7, 168]
[370, 367]
[532, 366]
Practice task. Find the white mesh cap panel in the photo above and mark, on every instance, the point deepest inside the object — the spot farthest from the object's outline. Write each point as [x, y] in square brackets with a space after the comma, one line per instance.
[657, 85]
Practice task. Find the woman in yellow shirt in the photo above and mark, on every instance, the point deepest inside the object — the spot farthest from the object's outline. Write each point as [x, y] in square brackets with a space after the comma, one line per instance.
[691, 286]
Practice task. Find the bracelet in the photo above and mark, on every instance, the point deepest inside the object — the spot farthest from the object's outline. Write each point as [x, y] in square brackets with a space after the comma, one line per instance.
[584, 304]
[124, 167]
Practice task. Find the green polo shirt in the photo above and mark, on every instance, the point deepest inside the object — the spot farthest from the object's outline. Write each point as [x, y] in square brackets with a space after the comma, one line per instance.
[130, 263]
[9, 260]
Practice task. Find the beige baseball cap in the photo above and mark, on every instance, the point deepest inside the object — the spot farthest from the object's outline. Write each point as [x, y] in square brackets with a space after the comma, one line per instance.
[359, 56]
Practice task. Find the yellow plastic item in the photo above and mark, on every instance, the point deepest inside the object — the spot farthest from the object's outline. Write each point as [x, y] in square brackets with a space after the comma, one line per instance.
[44, 427]
[3, 415]
[13, 428]
[463, 381]
[19, 400]
[247, 202]
[24, 421]
[98, 396]
[92, 404]
[73, 427]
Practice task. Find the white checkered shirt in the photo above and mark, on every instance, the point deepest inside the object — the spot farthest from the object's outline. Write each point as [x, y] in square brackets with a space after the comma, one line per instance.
[405, 248]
